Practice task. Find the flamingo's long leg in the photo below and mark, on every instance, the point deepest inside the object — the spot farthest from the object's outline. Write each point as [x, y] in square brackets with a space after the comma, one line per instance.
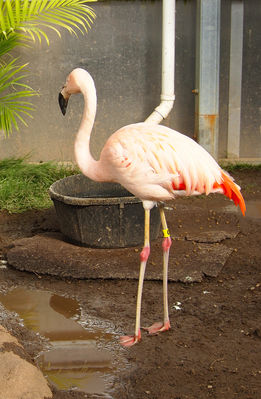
[131, 340]
[160, 327]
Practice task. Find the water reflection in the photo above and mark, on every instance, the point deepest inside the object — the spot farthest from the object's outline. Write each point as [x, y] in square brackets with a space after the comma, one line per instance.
[73, 360]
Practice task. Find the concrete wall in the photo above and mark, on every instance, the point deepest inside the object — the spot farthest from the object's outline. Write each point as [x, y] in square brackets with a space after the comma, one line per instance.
[123, 53]
[250, 139]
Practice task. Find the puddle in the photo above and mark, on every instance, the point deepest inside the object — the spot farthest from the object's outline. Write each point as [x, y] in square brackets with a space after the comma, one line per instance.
[74, 361]
[253, 209]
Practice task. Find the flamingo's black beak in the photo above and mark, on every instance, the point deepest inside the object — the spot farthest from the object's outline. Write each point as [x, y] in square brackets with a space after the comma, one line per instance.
[63, 103]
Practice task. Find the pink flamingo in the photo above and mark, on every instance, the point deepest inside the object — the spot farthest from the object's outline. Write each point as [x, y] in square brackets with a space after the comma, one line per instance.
[155, 164]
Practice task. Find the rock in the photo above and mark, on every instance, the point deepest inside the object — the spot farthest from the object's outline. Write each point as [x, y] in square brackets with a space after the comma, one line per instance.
[5, 337]
[19, 379]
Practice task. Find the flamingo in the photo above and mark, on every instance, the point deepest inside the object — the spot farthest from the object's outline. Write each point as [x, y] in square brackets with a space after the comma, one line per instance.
[154, 163]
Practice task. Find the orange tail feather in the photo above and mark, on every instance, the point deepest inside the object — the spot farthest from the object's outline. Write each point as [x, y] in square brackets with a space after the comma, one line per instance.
[232, 191]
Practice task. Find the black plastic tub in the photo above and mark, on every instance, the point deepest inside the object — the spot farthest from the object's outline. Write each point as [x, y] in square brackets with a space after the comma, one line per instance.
[100, 215]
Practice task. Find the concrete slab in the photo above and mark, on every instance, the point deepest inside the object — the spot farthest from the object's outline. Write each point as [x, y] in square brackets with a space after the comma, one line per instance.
[49, 254]
[211, 236]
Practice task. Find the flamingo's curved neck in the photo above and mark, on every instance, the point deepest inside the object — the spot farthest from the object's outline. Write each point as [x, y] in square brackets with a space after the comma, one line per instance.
[88, 165]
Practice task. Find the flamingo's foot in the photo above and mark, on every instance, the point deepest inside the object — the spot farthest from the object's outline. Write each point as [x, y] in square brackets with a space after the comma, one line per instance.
[157, 328]
[130, 340]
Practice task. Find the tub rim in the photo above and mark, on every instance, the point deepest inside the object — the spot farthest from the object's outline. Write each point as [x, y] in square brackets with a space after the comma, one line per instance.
[88, 201]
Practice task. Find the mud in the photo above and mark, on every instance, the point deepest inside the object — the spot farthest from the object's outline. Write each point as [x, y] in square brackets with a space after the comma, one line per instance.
[213, 347]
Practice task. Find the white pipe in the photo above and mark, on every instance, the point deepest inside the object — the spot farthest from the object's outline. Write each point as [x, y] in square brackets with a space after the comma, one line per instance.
[168, 63]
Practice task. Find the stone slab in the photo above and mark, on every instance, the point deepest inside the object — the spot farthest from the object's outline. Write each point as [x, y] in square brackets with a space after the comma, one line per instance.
[211, 236]
[49, 254]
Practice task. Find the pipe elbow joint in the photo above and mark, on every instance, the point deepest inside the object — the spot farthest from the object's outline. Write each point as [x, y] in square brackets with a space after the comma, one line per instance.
[162, 110]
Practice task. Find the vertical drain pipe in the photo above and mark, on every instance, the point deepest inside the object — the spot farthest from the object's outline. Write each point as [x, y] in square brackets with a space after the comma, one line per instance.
[235, 79]
[207, 75]
[168, 63]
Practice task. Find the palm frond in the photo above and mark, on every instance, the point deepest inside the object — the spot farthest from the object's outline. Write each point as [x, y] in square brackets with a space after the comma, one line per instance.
[7, 44]
[24, 21]
[13, 94]
[33, 17]
[10, 112]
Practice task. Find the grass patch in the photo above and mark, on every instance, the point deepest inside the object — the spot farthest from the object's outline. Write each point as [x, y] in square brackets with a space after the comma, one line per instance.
[24, 186]
[231, 167]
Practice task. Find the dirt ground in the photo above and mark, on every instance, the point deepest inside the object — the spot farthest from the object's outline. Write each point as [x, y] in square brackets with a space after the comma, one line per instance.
[213, 347]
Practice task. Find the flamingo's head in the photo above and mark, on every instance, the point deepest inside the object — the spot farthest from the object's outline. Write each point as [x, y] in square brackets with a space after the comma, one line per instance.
[72, 86]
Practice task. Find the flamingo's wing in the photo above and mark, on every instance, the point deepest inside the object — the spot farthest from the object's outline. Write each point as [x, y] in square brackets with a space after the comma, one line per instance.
[136, 155]
[159, 157]
[163, 156]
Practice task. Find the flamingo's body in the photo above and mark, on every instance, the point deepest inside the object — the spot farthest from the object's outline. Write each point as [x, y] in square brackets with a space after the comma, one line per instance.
[155, 164]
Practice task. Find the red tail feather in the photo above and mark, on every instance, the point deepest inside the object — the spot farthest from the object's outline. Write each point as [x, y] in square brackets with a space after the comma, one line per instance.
[232, 191]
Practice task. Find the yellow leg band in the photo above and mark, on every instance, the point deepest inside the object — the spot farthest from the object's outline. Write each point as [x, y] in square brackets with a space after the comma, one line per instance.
[166, 233]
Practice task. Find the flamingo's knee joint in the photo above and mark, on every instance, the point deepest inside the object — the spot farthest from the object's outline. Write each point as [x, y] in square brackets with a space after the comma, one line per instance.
[145, 254]
[166, 243]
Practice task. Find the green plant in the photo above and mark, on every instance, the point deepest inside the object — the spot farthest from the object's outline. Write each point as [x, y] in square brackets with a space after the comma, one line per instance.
[22, 22]
[231, 167]
[24, 186]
